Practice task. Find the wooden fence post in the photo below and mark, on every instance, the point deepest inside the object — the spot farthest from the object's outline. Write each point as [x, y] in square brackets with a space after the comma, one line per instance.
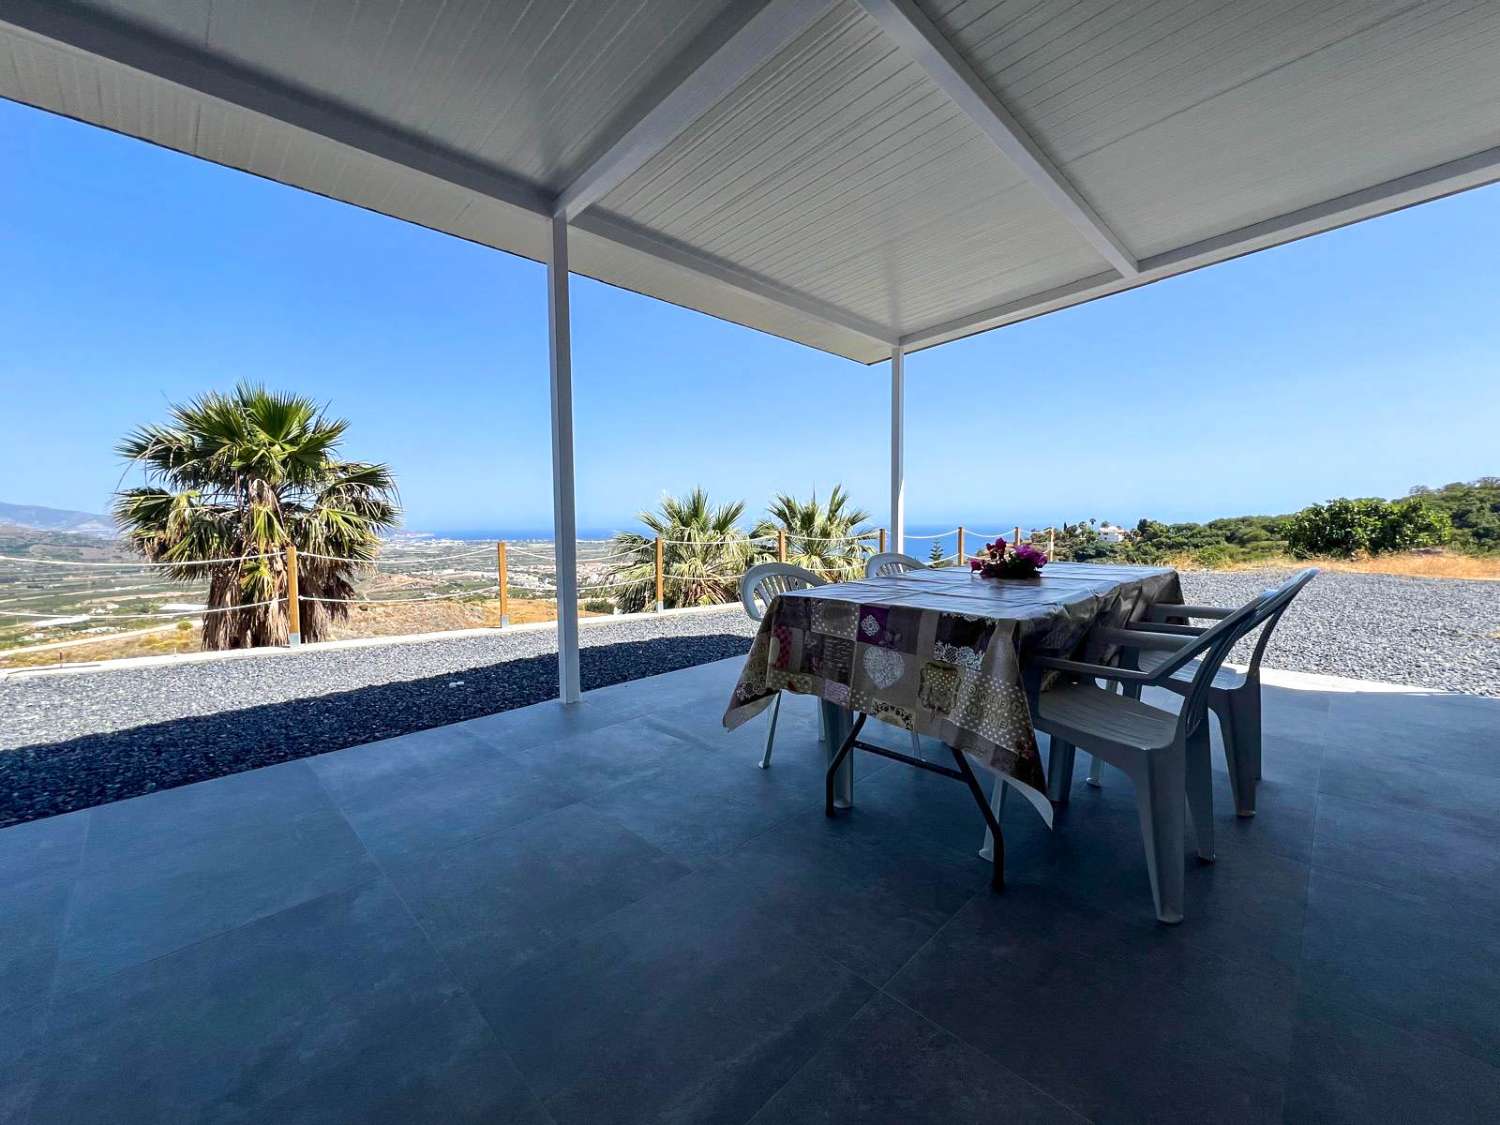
[1051, 542]
[504, 572]
[1016, 542]
[962, 558]
[660, 556]
[882, 540]
[781, 545]
[293, 599]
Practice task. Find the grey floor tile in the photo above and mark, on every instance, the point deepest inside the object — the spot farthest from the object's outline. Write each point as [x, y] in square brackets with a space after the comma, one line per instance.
[1408, 851]
[1426, 787]
[53, 846]
[891, 1065]
[1286, 808]
[39, 865]
[547, 722]
[20, 1061]
[687, 1006]
[606, 756]
[938, 808]
[491, 903]
[1456, 732]
[1249, 904]
[32, 915]
[240, 809]
[123, 914]
[703, 803]
[855, 888]
[1121, 1022]
[1349, 1068]
[703, 719]
[1284, 823]
[335, 1010]
[1427, 965]
[432, 790]
[707, 687]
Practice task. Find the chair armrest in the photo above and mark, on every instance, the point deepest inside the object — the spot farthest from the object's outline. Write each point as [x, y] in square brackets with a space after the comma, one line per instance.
[1164, 627]
[1100, 671]
[1161, 611]
[1141, 638]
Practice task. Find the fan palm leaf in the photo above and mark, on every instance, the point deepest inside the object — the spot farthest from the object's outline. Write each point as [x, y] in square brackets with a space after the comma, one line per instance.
[241, 476]
[704, 553]
[825, 538]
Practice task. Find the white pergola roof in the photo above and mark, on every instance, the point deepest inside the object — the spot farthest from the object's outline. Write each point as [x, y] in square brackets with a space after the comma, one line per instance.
[855, 175]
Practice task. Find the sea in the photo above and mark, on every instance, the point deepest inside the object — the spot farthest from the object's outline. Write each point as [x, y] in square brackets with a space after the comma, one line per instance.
[920, 538]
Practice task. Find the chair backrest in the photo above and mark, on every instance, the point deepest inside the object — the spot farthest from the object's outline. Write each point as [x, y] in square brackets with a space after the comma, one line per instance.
[1265, 609]
[1213, 646]
[1285, 593]
[761, 584]
[891, 562]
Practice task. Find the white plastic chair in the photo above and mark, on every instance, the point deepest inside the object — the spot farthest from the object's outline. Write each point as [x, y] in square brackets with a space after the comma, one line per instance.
[891, 562]
[1233, 696]
[1166, 755]
[758, 589]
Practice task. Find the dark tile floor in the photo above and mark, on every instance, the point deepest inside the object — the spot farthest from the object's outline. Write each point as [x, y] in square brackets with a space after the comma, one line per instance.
[607, 913]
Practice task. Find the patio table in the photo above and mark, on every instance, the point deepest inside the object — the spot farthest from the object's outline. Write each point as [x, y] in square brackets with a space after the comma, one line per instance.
[942, 652]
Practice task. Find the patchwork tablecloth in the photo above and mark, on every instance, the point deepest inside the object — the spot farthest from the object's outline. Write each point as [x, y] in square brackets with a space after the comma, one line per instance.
[941, 651]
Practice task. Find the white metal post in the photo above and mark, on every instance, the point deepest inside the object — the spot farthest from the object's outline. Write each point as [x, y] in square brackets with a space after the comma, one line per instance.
[898, 454]
[564, 522]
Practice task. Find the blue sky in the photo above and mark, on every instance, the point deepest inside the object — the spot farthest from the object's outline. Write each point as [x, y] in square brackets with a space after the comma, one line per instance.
[1360, 362]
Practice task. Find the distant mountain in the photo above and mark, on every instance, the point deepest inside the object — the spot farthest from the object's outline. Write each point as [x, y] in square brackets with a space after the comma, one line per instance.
[37, 518]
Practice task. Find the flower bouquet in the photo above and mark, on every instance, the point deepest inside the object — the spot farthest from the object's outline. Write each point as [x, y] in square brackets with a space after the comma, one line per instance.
[1001, 560]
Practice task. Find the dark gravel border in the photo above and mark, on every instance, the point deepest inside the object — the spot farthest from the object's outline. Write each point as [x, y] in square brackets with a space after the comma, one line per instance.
[95, 769]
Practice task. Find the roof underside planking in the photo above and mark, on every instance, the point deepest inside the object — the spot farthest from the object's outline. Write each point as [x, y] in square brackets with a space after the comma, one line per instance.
[850, 175]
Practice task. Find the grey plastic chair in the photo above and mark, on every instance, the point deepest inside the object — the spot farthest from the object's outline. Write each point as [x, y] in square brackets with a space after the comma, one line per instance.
[1233, 696]
[1166, 755]
[758, 589]
[891, 562]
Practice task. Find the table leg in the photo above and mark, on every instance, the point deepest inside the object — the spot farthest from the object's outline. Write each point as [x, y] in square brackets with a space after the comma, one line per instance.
[838, 721]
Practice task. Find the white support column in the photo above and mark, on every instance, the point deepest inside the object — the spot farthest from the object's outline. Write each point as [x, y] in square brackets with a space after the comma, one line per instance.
[564, 522]
[898, 450]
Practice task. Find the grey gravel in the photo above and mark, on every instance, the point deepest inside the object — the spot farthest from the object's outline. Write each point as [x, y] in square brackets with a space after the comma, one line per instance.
[56, 706]
[1424, 632]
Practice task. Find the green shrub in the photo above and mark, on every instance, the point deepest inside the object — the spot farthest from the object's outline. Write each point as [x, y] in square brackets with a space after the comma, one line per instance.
[1213, 558]
[1367, 526]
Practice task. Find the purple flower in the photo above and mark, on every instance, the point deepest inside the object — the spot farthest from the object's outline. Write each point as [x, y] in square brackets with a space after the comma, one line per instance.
[975, 563]
[1030, 554]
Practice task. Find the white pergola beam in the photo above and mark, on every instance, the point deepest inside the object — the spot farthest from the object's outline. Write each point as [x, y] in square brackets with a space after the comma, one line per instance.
[1473, 171]
[191, 68]
[184, 65]
[905, 23]
[711, 70]
[625, 233]
[898, 450]
[564, 520]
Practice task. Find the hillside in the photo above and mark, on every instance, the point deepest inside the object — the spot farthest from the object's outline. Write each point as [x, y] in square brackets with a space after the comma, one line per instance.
[38, 518]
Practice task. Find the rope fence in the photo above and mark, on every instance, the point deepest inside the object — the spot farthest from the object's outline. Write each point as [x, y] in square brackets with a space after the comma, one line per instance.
[88, 580]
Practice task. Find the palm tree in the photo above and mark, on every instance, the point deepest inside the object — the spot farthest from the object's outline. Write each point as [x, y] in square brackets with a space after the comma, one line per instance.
[703, 554]
[821, 537]
[240, 476]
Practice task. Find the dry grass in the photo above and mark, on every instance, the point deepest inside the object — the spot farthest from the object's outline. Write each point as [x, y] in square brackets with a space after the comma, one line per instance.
[1409, 564]
[363, 621]
[439, 617]
[158, 642]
